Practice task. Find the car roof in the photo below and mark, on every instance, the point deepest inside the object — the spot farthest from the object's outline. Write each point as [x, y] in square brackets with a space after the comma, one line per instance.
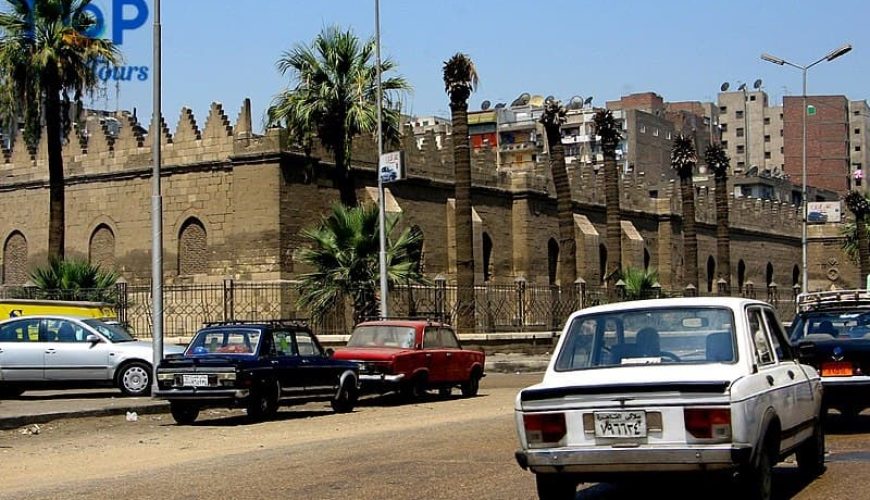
[412, 323]
[76, 317]
[727, 302]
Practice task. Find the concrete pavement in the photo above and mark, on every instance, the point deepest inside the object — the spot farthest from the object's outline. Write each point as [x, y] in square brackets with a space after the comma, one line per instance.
[38, 407]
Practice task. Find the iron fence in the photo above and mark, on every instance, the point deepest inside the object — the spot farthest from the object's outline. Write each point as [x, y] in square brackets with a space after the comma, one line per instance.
[517, 307]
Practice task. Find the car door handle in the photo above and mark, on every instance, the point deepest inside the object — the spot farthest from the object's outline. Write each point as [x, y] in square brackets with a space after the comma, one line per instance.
[449, 354]
[49, 351]
[274, 361]
[770, 379]
[791, 374]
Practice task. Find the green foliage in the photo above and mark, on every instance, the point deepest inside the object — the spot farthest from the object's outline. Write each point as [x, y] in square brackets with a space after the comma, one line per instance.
[857, 203]
[639, 283]
[74, 279]
[460, 77]
[344, 253]
[850, 241]
[335, 93]
[608, 131]
[45, 55]
[717, 160]
[553, 117]
[683, 156]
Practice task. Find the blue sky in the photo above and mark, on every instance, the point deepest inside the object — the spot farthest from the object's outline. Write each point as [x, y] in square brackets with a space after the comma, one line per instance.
[220, 50]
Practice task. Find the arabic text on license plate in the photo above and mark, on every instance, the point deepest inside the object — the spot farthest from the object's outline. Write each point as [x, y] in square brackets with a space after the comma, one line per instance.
[837, 369]
[195, 380]
[620, 424]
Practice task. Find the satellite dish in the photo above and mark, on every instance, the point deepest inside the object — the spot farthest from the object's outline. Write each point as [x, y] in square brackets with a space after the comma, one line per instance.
[499, 105]
[536, 100]
[757, 84]
[522, 100]
[576, 102]
[742, 86]
[485, 105]
[724, 87]
[549, 98]
[588, 101]
[753, 170]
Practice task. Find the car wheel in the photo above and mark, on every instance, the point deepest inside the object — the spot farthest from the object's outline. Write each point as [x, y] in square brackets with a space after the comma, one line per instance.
[135, 379]
[263, 402]
[471, 386]
[757, 480]
[346, 397]
[183, 413]
[414, 389]
[810, 454]
[555, 487]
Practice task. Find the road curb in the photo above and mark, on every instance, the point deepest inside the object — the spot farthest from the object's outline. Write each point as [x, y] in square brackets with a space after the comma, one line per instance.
[17, 421]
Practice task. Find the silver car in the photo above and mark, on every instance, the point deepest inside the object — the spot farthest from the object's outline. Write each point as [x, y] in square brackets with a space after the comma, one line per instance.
[65, 351]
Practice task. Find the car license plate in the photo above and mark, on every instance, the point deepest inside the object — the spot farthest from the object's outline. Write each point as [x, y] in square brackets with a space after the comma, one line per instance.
[837, 369]
[194, 380]
[620, 424]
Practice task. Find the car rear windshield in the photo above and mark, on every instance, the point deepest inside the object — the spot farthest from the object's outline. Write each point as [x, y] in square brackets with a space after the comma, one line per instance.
[843, 324]
[672, 335]
[382, 336]
[223, 342]
[112, 331]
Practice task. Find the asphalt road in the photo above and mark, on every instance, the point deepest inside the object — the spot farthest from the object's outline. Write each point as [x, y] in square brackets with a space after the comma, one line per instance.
[443, 448]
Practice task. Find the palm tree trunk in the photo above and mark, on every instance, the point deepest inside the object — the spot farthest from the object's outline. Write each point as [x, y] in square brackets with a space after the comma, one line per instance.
[690, 238]
[863, 250]
[723, 243]
[567, 243]
[614, 226]
[342, 176]
[464, 228]
[56, 197]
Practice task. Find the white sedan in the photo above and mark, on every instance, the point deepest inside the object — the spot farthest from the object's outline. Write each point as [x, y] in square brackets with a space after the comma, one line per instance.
[674, 385]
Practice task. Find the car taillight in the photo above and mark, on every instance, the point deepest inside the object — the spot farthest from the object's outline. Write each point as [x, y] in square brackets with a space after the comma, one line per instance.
[544, 427]
[708, 423]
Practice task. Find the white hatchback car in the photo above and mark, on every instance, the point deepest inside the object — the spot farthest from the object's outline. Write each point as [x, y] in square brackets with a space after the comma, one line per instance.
[63, 351]
[671, 385]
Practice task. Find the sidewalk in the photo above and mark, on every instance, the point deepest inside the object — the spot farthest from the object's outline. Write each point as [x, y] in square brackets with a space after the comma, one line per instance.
[39, 407]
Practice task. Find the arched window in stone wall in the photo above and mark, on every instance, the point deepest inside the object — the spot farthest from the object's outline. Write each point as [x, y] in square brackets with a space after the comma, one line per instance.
[711, 272]
[769, 274]
[552, 261]
[15, 259]
[487, 257]
[192, 248]
[101, 250]
[602, 262]
[741, 275]
[795, 275]
[646, 259]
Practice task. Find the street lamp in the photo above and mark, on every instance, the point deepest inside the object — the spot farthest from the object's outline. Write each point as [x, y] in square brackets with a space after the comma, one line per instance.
[779, 61]
[382, 204]
[156, 204]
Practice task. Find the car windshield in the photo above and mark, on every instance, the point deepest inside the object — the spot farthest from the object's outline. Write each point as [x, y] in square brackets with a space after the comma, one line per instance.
[664, 335]
[217, 341]
[844, 324]
[112, 331]
[382, 336]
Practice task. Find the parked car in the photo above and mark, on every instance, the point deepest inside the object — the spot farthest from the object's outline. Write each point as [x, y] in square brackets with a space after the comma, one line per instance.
[831, 331]
[45, 351]
[258, 366]
[412, 356]
[704, 385]
[818, 217]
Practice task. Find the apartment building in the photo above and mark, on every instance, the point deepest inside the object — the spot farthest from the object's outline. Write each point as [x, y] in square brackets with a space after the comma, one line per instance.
[859, 147]
[827, 141]
[751, 131]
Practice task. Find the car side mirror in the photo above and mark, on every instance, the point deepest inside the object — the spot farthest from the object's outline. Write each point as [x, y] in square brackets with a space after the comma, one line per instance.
[329, 352]
[93, 339]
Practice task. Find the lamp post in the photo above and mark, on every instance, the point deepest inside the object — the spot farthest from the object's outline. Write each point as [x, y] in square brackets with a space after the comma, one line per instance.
[778, 61]
[382, 232]
[156, 206]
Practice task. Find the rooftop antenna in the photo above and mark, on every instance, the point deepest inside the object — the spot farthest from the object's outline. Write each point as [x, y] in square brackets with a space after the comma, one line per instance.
[742, 87]
[588, 101]
[725, 86]
[500, 105]
[757, 84]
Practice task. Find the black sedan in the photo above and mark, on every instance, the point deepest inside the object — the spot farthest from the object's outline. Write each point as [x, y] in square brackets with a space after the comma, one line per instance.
[831, 331]
[256, 366]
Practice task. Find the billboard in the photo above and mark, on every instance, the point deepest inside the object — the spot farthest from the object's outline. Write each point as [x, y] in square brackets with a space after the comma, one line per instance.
[822, 212]
[391, 167]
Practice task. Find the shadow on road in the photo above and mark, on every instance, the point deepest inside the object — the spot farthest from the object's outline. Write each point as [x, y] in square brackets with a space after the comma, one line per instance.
[70, 394]
[234, 419]
[396, 399]
[835, 423]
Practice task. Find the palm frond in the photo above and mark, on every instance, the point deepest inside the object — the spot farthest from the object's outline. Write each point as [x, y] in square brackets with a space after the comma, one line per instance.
[683, 156]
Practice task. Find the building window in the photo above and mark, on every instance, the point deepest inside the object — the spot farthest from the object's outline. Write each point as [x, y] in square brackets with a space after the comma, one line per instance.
[741, 149]
[767, 155]
[15, 259]
[723, 109]
[552, 261]
[766, 138]
[767, 121]
[192, 248]
[857, 131]
[741, 164]
[781, 150]
[487, 257]
[739, 114]
[856, 113]
[723, 127]
[752, 98]
[739, 132]
[857, 148]
[780, 132]
[655, 132]
[669, 136]
[654, 193]
[725, 144]
[101, 251]
[643, 129]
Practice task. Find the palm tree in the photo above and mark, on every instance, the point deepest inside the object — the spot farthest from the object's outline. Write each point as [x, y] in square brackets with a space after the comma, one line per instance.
[48, 58]
[640, 283]
[344, 254]
[335, 98]
[683, 160]
[460, 80]
[718, 161]
[860, 207]
[552, 119]
[609, 136]
[74, 279]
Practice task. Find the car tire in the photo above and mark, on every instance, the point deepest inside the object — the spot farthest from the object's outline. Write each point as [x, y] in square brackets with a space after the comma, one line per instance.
[183, 413]
[263, 402]
[756, 482]
[555, 487]
[414, 389]
[346, 397]
[810, 454]
[471, 386]
[134, 379]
